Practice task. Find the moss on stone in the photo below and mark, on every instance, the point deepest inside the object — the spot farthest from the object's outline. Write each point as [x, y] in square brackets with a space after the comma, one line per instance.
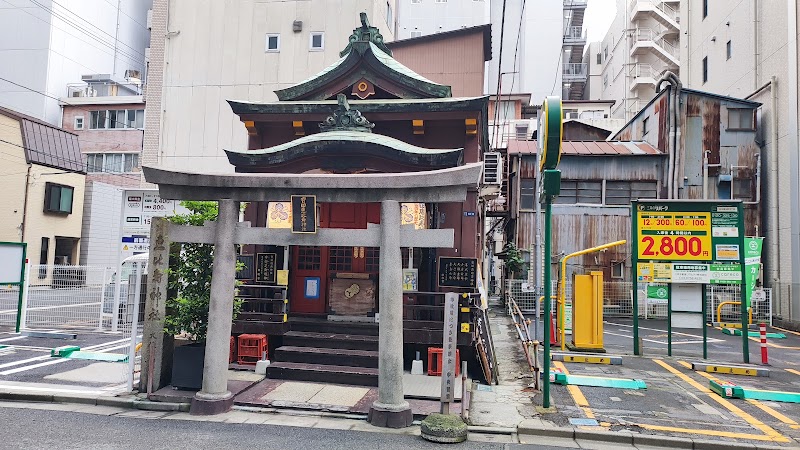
[444, 428]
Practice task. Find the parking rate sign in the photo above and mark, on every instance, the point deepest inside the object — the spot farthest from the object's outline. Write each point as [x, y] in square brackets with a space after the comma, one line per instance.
[687, 231]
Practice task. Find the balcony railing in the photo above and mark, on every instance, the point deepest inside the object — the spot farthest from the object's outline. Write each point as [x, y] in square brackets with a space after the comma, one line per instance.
[574, 71]
[647, 34]
[574, 34]
[668, 10]
[642, 70]
[575, 4]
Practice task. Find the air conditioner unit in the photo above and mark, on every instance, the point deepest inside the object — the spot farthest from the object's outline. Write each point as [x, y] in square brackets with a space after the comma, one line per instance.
[492, 168]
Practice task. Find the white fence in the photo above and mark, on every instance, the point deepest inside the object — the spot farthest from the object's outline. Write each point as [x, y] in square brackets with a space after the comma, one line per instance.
[81, 299]
[618, 301]
[65, 297]
[9, 300]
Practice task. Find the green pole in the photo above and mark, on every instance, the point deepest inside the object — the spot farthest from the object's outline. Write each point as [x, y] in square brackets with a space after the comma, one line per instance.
[634, 272]
[547, 303]
[743, 297]
[21, 286]
[705, 327]
[669, 319]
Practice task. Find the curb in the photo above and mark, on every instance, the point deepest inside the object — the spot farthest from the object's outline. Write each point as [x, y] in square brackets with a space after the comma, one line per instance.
[490, 430]
[119, 402]
[623, 437]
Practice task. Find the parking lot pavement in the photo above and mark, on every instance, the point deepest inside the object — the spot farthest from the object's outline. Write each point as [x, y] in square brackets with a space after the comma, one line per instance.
[678, 400]
[26, 359]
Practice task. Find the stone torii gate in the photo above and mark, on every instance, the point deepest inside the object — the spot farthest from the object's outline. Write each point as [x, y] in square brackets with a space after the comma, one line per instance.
[390, 189]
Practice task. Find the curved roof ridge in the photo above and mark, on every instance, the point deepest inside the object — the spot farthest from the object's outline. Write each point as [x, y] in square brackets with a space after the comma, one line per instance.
[347, 135]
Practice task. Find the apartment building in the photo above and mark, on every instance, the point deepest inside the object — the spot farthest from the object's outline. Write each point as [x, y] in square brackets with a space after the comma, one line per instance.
[749, 50]
[642, 43]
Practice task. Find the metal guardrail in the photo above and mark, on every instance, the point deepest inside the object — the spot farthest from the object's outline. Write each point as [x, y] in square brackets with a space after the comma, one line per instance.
[618, 300]
[530, 346]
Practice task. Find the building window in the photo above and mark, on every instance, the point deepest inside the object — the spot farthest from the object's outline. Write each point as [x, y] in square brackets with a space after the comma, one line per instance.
[273, 43]
[373, 260]
[741, 119]
[309, 258]
[728, 50]
[705, 69]
[617, 269]
[416, 34]
[644, 127]
[112, 162]
[317, 41]
[742, 189]
[58, 198]
[340, 259]
[441, 1]
[78, 122]
[115, 119]
[584, 192]
[389, 14]
[705, 8]
[522, 132]
[527, 194]
[605, 79]
[599, 58]
[620, 193]
[44, 253]
[508, 111]
[416, 1]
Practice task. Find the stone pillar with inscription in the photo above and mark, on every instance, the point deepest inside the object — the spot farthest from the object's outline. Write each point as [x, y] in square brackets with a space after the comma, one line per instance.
[214, 397]
[156, 345]
[390, 410]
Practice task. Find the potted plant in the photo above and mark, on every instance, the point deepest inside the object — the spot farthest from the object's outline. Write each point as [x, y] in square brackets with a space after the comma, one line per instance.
[190, 294]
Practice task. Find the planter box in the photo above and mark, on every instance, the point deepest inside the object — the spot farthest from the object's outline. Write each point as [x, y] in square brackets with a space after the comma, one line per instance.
[187, 366]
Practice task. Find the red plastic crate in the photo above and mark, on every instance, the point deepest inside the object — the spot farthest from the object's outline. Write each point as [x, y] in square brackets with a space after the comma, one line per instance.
[232, 355]
[435, 362]
[251, 347]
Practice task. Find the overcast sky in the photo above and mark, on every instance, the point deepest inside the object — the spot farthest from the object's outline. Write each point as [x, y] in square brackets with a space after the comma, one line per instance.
[598, 17]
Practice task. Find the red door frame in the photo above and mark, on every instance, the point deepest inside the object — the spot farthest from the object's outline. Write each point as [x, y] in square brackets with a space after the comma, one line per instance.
[362, 213]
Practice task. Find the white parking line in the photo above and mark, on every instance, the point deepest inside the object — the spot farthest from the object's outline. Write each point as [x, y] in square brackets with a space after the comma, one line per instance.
[41, 358]
[56, 361]
[12, 338]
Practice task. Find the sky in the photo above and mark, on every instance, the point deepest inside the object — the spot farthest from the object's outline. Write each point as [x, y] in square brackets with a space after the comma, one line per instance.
[598, 17]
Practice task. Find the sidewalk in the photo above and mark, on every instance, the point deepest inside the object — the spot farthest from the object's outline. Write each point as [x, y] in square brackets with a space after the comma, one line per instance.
[677, 410]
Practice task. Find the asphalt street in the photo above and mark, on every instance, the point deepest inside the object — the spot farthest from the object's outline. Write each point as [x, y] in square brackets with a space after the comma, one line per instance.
[43, 429]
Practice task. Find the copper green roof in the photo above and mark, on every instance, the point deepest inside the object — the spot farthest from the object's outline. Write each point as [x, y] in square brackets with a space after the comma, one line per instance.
[347, 143]
[366, 56]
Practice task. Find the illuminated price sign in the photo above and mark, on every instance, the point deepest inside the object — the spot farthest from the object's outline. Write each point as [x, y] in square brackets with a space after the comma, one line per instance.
[674, 236]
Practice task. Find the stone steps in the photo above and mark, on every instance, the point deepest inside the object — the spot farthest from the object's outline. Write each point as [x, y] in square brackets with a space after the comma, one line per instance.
[359, 376]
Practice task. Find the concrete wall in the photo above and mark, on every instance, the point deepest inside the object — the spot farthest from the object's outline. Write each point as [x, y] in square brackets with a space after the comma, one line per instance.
[212, 51]
[13, 170]
[456, 62]
[760, 49]
[44, 48]
[430, 17]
